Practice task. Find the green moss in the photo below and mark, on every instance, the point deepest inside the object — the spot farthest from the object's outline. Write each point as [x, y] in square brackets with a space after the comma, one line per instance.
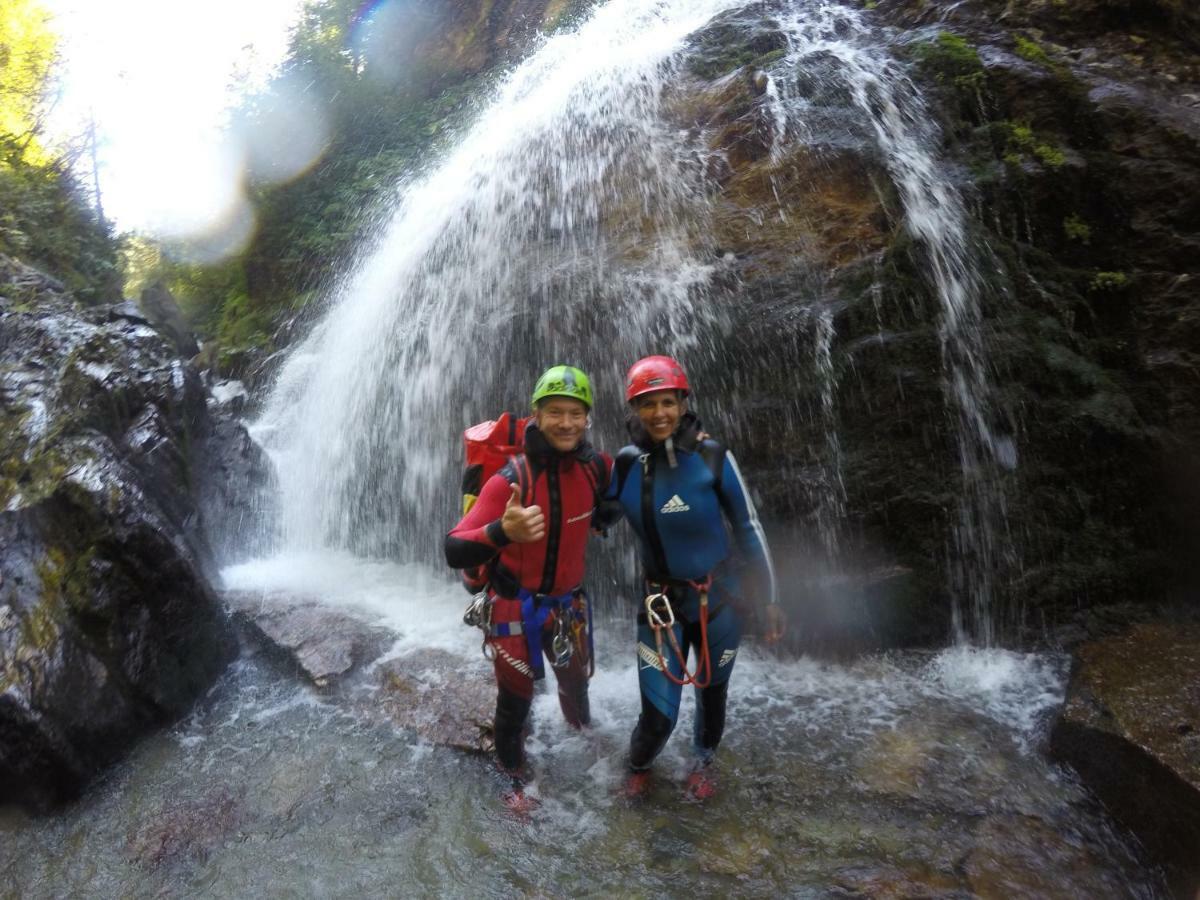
[1076, 229]
[1032, 51]
[767, 59]
[1050, 155]
[1108, 281]
[951, 60]
[42, 624]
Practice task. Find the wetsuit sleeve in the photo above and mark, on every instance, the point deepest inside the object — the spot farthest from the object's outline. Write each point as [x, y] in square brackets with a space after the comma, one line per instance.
[747, 531]
[478, 537]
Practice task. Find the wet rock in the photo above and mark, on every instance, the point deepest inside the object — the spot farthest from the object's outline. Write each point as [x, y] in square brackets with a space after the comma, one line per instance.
[1022, 856]
[326, 644]
[182, 833]
[110, 627]
[1131, 728]
[234, 481]
[432, 693]
[163, 312]
[889, 883]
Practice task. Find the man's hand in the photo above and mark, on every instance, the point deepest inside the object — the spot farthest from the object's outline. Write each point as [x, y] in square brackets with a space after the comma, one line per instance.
[522, 524]
[775, 625]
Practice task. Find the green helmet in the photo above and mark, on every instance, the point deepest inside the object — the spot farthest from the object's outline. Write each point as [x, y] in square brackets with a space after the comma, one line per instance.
[564, 381]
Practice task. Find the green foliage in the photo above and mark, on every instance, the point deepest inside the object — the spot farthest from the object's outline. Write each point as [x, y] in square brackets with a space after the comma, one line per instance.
[383, 126]
[1076, 229]
[27, 49]
[1050, 155]
[44, 220]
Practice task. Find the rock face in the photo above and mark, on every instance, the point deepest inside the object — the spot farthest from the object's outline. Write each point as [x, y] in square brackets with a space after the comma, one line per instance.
[108, 626]
[1072, 132]
[1131, 728]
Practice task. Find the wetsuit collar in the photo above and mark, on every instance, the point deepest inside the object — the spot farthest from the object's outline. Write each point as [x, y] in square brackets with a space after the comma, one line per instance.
[685, 437]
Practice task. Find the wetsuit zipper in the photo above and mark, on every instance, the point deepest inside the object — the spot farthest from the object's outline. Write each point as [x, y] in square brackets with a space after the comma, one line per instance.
[553, 535]
[649, 523]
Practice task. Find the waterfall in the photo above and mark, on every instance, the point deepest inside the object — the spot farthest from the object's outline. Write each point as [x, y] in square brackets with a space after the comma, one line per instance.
[571, 224]
[935, 216]
[496, 265]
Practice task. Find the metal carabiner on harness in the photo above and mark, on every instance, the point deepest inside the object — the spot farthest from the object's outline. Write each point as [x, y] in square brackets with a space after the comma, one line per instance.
[655, 616]
[562, 646]
[478, 614]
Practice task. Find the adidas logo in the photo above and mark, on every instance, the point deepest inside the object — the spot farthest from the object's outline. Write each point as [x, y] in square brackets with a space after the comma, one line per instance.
[675, 504]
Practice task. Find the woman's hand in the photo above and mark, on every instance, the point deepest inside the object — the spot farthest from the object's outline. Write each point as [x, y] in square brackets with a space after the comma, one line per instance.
[522, 524]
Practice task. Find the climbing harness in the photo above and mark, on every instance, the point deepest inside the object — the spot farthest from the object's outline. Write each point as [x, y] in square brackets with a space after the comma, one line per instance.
[569, 625]
[661, 617]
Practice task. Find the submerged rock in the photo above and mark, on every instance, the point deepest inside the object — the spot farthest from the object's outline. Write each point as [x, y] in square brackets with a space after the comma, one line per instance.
[432, 693]
[185, 833]
[108, 625]
[1131, 728]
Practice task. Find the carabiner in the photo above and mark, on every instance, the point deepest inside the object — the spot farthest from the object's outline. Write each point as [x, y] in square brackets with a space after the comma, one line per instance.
[654, 617]
[562, 645]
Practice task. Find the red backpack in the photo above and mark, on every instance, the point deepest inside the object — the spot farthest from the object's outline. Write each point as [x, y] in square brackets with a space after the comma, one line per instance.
[488, 446]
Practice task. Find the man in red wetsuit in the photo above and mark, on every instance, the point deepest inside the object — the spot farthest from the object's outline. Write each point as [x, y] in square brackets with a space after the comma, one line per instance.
[530, 527]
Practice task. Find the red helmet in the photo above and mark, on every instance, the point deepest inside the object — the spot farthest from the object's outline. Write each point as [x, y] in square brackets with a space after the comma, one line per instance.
[654, 373]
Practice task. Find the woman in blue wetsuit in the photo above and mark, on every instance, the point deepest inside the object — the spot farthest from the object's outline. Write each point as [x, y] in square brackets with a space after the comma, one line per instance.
[684, 496]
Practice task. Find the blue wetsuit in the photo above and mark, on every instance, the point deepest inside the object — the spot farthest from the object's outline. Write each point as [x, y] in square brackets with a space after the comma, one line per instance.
[684, 515]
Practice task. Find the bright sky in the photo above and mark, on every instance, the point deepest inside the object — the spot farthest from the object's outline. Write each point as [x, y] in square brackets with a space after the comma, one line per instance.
[158, 77]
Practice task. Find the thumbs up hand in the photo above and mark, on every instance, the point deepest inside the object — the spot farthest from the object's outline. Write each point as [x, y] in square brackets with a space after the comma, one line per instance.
[522, 524]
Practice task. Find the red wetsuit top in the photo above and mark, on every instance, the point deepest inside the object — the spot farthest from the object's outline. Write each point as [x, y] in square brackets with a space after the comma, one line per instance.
[565, 486]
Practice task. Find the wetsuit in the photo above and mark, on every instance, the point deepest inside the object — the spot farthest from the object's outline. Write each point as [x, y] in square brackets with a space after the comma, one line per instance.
[531, 584]
[680, 513]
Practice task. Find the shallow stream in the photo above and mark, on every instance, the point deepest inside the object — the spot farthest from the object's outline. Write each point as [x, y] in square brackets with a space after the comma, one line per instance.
[906, 775]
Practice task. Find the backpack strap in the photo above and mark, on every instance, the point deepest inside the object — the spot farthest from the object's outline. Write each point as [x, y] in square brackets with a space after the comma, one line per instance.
[522, 476]
[597, 476]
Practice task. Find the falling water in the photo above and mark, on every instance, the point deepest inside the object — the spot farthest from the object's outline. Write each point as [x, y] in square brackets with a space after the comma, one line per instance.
[935, 216]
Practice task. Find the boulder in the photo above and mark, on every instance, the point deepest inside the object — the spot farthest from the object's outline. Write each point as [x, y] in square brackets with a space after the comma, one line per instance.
[108, 625]
[1131, 728]
[326, 644]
